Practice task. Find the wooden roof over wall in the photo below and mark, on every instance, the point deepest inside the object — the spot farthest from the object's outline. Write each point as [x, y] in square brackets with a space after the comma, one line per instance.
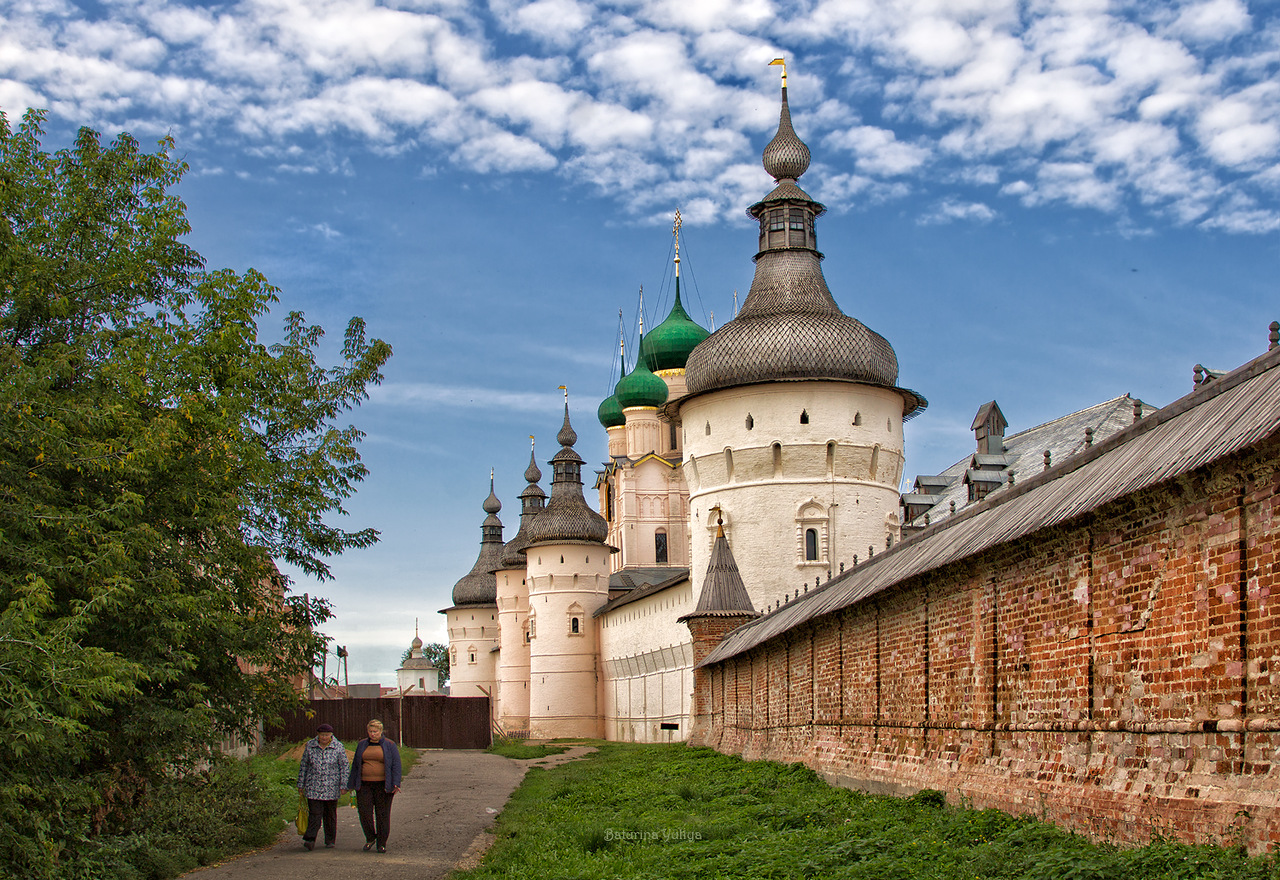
[1217, 419]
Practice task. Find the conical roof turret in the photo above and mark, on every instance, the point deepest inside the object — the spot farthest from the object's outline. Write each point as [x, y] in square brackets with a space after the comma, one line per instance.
[790, 326]
[532, 501]
[478, 586]
[723, 592]
[567, 518]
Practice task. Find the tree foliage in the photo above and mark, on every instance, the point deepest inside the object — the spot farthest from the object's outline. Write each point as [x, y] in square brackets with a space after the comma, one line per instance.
[155, 457]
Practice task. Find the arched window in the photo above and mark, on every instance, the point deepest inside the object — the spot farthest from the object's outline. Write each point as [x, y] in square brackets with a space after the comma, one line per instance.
[811, 545]
[574, 626]
[751, 423]
[660, 547]
[728, 465]
[777, 459]
[804, 417]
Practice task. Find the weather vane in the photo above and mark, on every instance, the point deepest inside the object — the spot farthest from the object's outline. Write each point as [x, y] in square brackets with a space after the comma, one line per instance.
[565, 389]
[783, 62]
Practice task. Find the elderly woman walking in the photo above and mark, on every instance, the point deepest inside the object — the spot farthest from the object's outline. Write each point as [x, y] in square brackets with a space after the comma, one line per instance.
[375, 778]
[320, 776]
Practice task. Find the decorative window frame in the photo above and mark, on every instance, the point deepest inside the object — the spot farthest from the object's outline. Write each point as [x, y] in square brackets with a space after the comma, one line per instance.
[575, 614]
[813, 514]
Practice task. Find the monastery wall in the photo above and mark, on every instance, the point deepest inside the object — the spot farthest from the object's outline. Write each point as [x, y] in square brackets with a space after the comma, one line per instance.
[1118, 675]
[647, 665]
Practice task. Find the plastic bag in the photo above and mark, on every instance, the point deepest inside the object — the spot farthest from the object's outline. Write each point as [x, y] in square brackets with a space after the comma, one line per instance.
[302, 813]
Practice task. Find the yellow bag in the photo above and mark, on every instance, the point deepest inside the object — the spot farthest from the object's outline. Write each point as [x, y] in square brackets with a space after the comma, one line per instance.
[302, 813]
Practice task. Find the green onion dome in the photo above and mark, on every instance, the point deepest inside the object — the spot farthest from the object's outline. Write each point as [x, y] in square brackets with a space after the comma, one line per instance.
[610, 413]
[668, 346]
[640, 387]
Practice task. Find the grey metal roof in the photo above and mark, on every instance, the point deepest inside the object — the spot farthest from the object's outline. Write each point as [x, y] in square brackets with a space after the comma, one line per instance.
[1225, 416]
[987, 460]
[977, 475]
[632, 578]
[674, 577]
[723, 590]
[567, 518]
[1024, 451]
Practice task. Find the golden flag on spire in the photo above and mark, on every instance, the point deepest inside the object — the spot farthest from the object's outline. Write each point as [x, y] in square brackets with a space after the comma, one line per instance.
[783, 62]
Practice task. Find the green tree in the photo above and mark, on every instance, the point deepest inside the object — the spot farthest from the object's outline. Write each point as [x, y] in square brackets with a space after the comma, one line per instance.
[155, 457]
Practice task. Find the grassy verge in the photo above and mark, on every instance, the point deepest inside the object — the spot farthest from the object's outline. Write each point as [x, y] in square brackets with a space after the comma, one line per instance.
[632, 811]
[516, 748]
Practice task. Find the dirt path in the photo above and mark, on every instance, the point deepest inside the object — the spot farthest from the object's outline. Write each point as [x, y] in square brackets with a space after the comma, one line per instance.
[442, 819]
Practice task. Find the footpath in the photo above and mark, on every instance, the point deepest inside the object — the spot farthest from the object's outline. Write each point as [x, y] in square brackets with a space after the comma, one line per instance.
[441, 820]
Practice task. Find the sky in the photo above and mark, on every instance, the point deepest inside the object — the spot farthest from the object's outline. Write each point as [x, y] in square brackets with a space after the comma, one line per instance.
[1048, 203]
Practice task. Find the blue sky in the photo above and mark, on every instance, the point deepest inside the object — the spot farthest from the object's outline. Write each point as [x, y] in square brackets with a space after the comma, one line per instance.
[1046, 203]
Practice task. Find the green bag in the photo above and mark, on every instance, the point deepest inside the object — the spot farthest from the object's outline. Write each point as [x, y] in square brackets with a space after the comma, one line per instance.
[302, 813]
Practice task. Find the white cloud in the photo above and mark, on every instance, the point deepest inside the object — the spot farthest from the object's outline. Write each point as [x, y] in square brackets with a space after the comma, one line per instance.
[425, 395]
[878, 151]
[952, 210]
[1210, 21]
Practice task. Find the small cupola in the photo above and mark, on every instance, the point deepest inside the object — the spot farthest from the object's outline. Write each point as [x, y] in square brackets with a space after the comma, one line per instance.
[988, 428]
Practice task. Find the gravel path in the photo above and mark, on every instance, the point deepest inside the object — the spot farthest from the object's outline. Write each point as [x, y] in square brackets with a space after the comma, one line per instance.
[441, 820]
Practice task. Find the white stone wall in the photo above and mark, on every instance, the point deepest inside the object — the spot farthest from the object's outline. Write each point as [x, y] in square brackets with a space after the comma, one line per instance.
[647, 662]
[566, 581]
[419, 681]
[774, 476]
[513, 659]
[473, 634]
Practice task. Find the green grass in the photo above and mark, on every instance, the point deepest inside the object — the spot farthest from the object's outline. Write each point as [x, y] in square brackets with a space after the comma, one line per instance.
[631, 811]
[280, 777]
[515, 748]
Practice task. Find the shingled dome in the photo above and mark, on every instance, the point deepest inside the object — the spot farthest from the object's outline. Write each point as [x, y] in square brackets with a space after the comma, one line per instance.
[532, 501]
[478, 586]
[567, 518]
[790, 326]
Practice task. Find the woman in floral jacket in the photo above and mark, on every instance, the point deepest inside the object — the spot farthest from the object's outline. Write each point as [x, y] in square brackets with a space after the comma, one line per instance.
[321, 773]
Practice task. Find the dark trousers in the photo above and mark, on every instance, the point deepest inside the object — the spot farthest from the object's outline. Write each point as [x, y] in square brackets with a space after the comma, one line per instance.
[318, 810]
[373, 803]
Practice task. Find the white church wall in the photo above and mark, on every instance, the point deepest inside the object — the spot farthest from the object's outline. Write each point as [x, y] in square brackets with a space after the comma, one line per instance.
[512, 710]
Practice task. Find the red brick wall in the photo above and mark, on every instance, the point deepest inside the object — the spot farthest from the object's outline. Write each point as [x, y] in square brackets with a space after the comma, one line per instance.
[1118, 675]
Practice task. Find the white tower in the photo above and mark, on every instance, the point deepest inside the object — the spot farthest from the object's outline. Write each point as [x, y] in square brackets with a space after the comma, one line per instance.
[568, 578]
[513, 613]
[793, 421]
[473, 619]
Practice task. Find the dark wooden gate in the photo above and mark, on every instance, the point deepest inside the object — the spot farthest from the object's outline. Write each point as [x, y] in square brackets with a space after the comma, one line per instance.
[422, 722]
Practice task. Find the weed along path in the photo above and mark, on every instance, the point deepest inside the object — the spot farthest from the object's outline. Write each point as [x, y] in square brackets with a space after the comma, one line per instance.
[441, 820]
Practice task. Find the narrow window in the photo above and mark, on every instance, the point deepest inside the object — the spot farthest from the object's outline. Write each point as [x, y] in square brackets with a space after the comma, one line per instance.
[804, 417]
[777, 459]
[811, 545]
[857, 419]
[751, 423]
[831, 459]
[660, 548]
[708, 429]
[875, 460]
[675, 437]
[728, 465]
[573, 625]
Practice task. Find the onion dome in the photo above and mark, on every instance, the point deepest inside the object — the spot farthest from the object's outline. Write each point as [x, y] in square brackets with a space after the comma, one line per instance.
[790, 326]
[668, 346]
[478, 586]
[640, 387]
[610, 413]
[532, 500]
[568, 518]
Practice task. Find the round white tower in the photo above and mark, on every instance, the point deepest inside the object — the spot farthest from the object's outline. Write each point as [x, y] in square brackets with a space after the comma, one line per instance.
[513, 613]
[473, 619]
[793, 422]
[568, 579]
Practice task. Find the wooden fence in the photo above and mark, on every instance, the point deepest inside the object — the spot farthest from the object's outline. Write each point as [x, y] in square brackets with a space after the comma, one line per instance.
[423, 722]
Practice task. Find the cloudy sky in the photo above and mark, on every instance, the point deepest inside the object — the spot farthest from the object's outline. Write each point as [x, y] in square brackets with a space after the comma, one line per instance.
[1045, 202]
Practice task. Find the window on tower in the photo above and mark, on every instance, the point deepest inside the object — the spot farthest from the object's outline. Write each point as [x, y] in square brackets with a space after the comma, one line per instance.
[810, 545]
[660, 548]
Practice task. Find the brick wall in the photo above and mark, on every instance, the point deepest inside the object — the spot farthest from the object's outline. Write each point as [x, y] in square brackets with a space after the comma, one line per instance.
[1118, 675]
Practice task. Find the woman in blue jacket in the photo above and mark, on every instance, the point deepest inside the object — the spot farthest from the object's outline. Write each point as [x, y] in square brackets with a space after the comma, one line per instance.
[375, 778]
